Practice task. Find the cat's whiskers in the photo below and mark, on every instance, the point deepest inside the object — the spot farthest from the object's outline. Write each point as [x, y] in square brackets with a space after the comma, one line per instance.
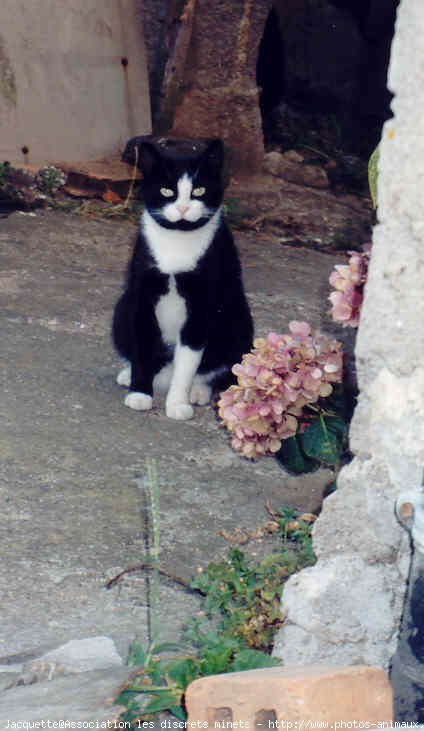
[158, 214]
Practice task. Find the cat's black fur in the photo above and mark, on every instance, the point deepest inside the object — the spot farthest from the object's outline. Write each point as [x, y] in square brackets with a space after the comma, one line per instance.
[218, 317]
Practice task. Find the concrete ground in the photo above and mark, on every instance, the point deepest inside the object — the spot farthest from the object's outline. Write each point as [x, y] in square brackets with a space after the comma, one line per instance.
[73, 456]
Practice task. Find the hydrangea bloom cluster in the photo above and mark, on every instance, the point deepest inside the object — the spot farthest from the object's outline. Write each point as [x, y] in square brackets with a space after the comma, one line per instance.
[282, 375]
[348, 281]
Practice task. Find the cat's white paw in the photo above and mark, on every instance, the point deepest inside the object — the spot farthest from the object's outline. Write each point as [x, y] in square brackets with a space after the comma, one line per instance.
[181, 412]
[138, 401]
[124, 377]
[200, 394]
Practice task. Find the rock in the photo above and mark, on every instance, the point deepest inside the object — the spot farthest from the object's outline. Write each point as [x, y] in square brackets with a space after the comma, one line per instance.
[340, 611]
[76, 656]
[300, 214]
[76, 698]
[293, 156]
[226, 112]
[272, 162]
[222, 99]
[376, 536]
[289, 167]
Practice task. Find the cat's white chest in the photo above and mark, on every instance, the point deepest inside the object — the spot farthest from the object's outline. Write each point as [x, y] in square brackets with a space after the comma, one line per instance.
[178, 251]
[171, 313]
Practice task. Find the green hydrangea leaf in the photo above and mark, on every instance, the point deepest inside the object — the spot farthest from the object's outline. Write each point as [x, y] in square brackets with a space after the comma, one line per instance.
[373, 175]
[321, 443]
[293, 458]
[336, 425]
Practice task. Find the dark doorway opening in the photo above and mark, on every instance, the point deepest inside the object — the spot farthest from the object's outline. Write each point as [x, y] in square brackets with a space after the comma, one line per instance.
[322, 69]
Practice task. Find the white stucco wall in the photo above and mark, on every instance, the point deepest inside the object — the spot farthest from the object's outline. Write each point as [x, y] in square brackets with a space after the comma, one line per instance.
[64, 93]
[347, 608]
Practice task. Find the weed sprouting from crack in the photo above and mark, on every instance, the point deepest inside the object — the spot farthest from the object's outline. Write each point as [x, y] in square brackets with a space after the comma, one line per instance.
[235, 629]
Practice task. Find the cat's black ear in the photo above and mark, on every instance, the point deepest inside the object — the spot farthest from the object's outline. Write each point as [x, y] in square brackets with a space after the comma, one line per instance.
[148, 158]
[213, 156]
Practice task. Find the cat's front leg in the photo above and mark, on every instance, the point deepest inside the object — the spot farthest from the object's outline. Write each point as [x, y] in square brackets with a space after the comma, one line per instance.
[186, 363]
[138, 401]
[135, 399]
[143, 355]
[141, 372]
[140, 396]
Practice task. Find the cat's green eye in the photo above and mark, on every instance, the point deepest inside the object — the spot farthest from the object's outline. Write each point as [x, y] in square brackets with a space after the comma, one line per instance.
[198, 192]
[166, 192]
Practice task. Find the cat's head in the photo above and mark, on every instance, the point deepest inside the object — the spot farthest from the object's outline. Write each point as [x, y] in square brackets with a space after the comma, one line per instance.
[182, 192]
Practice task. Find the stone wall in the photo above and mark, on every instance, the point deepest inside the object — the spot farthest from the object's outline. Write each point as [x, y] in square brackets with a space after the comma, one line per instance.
[64, 92]
[216, 94]
[347, 608]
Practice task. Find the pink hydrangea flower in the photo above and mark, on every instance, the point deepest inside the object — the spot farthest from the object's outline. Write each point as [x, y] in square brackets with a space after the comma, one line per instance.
[348, 281]
[275, 381]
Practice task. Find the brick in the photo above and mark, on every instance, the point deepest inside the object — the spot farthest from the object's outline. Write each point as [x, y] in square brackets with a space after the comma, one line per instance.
[301, 695]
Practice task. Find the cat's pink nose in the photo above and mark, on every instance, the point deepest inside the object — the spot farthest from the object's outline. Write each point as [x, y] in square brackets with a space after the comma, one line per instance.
[182, 209]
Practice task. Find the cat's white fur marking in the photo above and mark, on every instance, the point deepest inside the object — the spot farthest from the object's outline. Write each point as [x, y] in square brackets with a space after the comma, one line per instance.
[162, 379]
[171, 313]
[124, 377]
[200, 392]
[138, 401]
[186, 363]
[185, 207]
[178, 251]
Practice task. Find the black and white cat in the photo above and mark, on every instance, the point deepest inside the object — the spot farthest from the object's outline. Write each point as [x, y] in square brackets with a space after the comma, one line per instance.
[183, 319]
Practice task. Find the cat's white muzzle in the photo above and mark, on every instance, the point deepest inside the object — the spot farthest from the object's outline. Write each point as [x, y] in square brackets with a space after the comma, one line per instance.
[185, 208]
[192, 211]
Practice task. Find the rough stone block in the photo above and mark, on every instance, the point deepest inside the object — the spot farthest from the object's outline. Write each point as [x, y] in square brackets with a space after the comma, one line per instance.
[291, 168]
[76, 699]
[376, 537]
[90, 653]
[267, 698]
[340, 609]
[230, 114]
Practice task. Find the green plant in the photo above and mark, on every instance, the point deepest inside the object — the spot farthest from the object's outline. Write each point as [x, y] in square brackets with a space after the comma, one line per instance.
[162, 688]
[235, 629]
[281, 396]
[243, 600]
[158, 687]
[234, 212]
[321, 440]
[373, 175]
[153, 494]
[296, 531]
[5, 171]
[215, 643]
[49, 179]
[101, 209]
